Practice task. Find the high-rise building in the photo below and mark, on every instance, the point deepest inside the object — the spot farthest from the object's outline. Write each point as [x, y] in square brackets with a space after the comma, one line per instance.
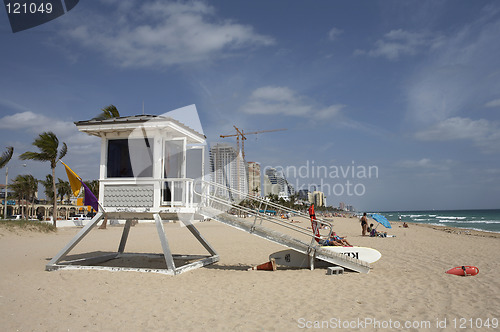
[342, 206]
[276, 183]
[254, 186]
[303, 194]
[317, 198]
[228, 169]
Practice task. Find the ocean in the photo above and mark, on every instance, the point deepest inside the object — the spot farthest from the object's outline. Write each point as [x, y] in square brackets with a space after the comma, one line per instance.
[481, 220]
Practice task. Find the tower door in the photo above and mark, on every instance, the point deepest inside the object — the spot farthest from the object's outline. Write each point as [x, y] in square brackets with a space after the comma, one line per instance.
[195, 167]
[174, 172]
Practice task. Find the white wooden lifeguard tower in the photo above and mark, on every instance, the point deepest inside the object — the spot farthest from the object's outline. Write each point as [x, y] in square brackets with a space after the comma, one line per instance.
[148, 169]
[152, 167]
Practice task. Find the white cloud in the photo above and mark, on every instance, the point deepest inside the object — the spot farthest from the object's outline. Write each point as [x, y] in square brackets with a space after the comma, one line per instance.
[397, 43]
[456, 128]
[30, 120]
[437, 93]
[275, 100]
[158, 34]
[35, 124]
[273, 93]
[426, 163]
[83, 150]
[334, 33]
[484, 134]
[458, 76]
[493, 103]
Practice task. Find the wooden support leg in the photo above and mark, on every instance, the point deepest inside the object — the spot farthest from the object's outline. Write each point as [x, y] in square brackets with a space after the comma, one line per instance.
[311, 262]
[200, 238]
[123, 241]
[311, 256]
[164, 244]
[78, 237]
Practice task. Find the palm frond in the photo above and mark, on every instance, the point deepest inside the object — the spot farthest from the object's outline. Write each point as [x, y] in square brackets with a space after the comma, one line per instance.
[63, 151]
[32, 156]
[108, 112]
[47, 143]
[6, 156]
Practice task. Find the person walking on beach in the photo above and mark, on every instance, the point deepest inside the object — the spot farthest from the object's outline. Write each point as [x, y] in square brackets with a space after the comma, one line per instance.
[364, 224]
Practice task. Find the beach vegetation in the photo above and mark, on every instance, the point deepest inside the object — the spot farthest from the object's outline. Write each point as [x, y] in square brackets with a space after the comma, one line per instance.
[93, 186]
[25, 188]
[6, 156]
[107, 112]
[292, 203]
[63, 189]
[47, 184]
[29, 225]
[49, 151]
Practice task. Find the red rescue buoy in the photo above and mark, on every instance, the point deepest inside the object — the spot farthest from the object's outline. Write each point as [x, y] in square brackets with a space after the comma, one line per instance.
[464, 271]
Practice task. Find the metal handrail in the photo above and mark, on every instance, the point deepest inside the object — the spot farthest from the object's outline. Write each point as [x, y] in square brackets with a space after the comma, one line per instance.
[231, 204]
[249, 211]
[313, 247]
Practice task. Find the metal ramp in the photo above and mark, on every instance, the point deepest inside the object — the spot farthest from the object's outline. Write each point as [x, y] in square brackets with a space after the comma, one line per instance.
[259, 217]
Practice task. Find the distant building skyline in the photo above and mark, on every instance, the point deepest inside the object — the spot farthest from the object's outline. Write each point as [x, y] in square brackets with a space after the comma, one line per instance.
[276, 183]
[317, 198]
[254, 178]
[228, 169]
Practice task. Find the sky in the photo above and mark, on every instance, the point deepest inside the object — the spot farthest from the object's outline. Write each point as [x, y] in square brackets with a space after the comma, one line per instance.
[395, 103]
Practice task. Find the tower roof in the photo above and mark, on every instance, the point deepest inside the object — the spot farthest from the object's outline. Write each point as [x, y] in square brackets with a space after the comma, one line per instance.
[98, 127]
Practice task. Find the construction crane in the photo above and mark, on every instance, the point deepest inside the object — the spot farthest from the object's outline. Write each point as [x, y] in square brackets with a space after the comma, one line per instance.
[240, 134]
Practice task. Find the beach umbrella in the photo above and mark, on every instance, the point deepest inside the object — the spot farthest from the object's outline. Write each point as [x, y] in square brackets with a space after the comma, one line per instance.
[381, 220]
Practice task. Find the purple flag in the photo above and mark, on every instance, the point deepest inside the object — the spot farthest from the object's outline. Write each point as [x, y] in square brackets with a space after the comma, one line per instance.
[90, 199]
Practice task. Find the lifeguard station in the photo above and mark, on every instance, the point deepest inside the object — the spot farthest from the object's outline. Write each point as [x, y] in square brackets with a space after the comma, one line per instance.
[152, 167]
[147, 171]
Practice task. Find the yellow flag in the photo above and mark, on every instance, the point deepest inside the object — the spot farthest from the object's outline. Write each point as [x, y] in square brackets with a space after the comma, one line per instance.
[74, 180]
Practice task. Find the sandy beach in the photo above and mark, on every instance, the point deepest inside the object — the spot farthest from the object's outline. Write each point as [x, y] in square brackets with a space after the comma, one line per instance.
[407, 287]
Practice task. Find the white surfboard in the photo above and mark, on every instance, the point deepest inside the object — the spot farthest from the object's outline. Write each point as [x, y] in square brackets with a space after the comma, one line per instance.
[294, 258]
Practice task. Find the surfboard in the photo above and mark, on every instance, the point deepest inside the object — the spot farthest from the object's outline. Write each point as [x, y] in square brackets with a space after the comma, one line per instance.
[464, 271]
[294, 258]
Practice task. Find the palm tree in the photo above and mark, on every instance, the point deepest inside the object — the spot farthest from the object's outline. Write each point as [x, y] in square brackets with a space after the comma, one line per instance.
[32, 191]
[63, 189]
[274, 198]
[48, 144]
[47, 183]
[24, 188]
[18, 187]
[6, 156]
[4, 159]
[108, 112]
[93, 186]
